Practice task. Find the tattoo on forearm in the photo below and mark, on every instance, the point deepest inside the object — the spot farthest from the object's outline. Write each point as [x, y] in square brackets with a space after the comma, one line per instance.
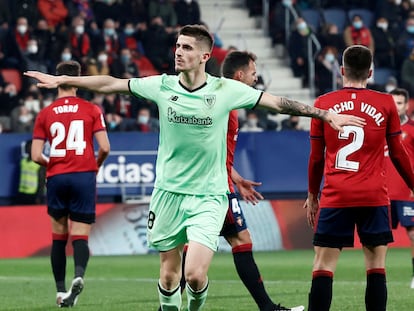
[293, 107]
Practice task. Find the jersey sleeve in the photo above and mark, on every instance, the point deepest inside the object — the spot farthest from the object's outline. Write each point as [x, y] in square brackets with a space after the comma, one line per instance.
[147, 87]
[99, 121]
[39, 131]
[243, 96]
[317, 125]
[394, 126]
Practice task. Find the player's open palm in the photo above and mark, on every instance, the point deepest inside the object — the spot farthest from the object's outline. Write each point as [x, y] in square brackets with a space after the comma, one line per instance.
[45, 80]
[248, 192]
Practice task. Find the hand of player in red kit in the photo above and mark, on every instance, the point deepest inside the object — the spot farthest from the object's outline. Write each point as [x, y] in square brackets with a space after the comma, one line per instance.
[247, 191]
[312, 207]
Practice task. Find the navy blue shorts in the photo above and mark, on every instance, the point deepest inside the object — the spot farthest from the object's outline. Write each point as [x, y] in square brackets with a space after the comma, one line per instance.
[402, 212]
[234, 221]
[336, 226]
[73, 195]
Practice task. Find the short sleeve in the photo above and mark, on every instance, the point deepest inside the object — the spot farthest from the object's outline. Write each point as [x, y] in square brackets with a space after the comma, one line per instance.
[242, 95]
[147, 87]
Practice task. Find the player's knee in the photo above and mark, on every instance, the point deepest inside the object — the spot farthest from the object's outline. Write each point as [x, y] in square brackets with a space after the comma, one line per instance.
[195, 278]
[169, 279]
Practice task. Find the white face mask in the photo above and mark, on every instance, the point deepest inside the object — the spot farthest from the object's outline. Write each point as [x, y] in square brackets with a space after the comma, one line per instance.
[188, 1]
[398, 2]
[32, 49]
[389, 88]
[66, 57]
[22, 29]
[103, 58]
[383, 26]
[25, 118]
[80, 29]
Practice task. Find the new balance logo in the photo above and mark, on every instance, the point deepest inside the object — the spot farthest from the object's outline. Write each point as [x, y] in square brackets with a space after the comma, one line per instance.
[173, 98]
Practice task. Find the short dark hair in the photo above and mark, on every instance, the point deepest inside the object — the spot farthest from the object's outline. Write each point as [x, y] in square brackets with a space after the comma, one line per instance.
[199, 32]
[68, 68]
[357, 60]
[401, 92]
[234, 61]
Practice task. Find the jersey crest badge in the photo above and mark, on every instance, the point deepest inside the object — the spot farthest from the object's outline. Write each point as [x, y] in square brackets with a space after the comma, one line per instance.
[210, 100]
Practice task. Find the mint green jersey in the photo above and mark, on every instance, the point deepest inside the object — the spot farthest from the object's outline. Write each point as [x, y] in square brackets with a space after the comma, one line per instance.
[193, 127]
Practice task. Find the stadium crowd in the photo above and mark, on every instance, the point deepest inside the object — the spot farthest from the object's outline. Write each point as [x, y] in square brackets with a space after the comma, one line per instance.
[136, 38]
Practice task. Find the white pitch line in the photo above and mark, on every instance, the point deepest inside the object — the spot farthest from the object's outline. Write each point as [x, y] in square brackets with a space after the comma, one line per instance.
[154, 280]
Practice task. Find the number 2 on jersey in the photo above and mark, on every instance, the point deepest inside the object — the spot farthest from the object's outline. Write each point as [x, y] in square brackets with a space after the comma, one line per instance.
[74, 138]
[341, 162]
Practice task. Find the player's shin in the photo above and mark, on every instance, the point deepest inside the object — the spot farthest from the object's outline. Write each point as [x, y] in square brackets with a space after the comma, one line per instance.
[170, 300]
[196, 299]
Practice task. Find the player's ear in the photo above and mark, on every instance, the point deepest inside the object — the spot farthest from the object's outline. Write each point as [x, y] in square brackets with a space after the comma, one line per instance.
[370, 73]
[342, 71]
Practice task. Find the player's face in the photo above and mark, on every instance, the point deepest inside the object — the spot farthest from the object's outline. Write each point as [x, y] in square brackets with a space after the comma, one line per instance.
[249, 75]
[401, 105]
[189, 54]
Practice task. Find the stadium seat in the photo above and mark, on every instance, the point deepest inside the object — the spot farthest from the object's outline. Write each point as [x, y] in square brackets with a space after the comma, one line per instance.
[366, 15]
[382, 74]
[312, 17]
[12, 76]
[337, 17]
[145, 67]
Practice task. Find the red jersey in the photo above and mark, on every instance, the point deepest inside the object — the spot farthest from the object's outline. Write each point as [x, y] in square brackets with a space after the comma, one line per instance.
[69, 125]
[232, 134]
[354, 168]
[397, 188]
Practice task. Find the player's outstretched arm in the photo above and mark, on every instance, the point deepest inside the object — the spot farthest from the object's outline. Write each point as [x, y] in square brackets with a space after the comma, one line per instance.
[100, 83]
[289, 106]
[246, 188]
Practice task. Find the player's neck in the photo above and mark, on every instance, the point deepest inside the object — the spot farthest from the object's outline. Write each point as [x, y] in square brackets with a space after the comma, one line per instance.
[193, 79]
[66, 93]
[356, 84]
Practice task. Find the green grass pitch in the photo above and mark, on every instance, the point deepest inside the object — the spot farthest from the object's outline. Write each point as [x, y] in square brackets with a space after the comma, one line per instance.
[129, 282]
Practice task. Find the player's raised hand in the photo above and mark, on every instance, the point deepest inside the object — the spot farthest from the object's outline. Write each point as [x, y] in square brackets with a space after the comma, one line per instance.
[248, 192]
[338, 121]
[45, 80]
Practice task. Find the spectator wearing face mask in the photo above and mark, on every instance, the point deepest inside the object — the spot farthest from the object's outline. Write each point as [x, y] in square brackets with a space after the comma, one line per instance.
[144, 122]
[108, 40]
[298, 50]
[327, 71]
[291, 124]
[384, 54]
[15, 42]
[32, 60]
[252, 123]
[124, 66]
[405, 41]
[358, 33]
[98, 65]
[79, 41]
[128, 39]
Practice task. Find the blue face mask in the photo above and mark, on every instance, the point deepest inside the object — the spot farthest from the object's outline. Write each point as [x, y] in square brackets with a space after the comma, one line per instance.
[357, 25]
[129, 31]
[410, 28]
[109, 32]
[329, 57]
[125, 59]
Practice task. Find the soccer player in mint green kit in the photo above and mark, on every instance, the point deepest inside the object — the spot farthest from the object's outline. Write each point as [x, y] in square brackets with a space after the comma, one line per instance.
[189, 201]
